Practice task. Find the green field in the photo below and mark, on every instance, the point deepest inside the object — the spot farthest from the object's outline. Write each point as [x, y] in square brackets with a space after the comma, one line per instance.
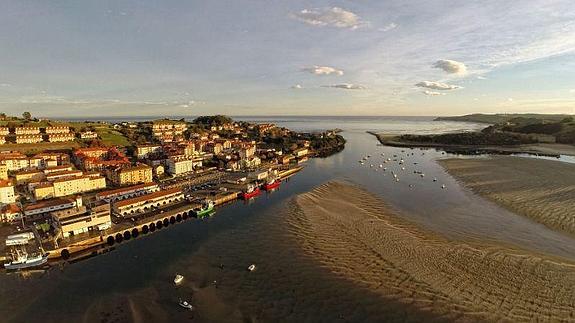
[112, 137]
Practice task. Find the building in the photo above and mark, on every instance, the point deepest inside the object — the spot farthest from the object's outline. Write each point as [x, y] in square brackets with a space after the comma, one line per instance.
[301, 152]
[47, 157]
[57, 129]
[130, 175]
[38, 210]
[15, 161]
[3, 172]
[7, 194]
[26, 176]
[251, 162]
[178, 165]
[52, 176]
[26, 131]
[4, 131]
[168, 130]
[10, 213]
[88, 135]
[147, 202]
[61, 137]
[145, 151]
[99, 158]
[81, 219]
[54, 169]
[127, 192]
[247, 150]
[214, 148]
[69, 185]
[29, 139]
[2, 140]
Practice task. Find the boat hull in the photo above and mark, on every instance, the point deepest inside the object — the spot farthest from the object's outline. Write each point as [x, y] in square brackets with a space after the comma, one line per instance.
[204, 213]
[252, 194]
[271, 186]
[27, 264]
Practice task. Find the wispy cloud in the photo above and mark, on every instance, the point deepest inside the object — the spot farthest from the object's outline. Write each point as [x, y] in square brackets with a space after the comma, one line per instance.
[332, 17]
[451, 67]
[322, 70]
[437, 86]
[388, 27]
[346, 86]
[297, 86]
[432, 93]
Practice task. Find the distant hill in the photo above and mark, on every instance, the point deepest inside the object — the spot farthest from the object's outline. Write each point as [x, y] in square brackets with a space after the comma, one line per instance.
[503, 118]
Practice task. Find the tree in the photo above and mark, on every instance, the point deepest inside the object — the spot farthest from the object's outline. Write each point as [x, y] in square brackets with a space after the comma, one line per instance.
[2, 116]
[27, 115]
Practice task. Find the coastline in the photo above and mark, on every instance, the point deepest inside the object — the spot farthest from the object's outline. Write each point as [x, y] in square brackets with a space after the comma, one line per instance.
[543, 190]
[551, 150]
[357, 237]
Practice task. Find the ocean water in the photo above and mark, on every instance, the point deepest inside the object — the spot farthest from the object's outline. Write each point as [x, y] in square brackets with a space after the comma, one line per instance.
[135, 280]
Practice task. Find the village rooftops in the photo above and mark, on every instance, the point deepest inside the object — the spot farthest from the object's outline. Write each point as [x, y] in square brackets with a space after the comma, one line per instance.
[123, 190]
[48, 204]
[147, 197]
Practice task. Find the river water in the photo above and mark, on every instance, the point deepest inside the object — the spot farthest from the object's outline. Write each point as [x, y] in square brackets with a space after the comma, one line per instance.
[134, 282]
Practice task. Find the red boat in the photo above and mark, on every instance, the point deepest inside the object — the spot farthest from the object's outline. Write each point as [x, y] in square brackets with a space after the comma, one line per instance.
[252, 191]
[271, 185]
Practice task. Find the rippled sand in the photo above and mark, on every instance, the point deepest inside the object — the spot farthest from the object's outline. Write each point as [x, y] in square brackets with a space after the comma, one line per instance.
[355, 236]
[543, 190]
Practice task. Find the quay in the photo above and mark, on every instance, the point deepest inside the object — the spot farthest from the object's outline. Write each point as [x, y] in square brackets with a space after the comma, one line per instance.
[147, 223]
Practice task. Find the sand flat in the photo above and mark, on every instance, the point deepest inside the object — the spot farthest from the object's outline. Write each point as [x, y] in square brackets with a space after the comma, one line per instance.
[542, 190]
[356, 236]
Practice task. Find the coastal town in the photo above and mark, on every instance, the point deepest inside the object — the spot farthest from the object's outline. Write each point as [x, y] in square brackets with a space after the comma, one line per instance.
[71, 188]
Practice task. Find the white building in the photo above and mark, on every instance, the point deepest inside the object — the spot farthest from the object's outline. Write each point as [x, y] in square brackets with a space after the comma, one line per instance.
[7, 194]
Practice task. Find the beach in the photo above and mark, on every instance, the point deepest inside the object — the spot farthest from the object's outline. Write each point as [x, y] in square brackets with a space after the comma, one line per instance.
[542, 190]
[357, 237]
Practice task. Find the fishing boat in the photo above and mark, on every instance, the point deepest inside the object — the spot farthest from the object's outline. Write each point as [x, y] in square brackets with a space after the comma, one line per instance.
[18, 254]
[186, 305]
[250, 192]
[206, 209]
[252, 267]
[178, 279]
[270, 185]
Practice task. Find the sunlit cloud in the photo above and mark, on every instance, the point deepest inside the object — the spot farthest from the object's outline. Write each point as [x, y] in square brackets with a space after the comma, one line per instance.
[451, 67]
[332, 17]
[432, 93]
[322, 70]
[437, 86]
[346, 86]
[297, 86]
[388, 27]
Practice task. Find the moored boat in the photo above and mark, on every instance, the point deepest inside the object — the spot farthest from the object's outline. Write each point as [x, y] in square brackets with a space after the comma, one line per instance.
[178, 279]
[270, 185]
[206, 209]
[250, 192]
[18, 246]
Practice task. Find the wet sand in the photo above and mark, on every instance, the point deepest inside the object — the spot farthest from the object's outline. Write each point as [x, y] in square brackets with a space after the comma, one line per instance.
[542, 190]
[357, 237]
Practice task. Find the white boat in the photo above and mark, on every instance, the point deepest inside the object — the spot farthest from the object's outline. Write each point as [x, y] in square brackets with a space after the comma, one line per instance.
[26, 261]
[186, 305]
[252, 267]
[178, 279]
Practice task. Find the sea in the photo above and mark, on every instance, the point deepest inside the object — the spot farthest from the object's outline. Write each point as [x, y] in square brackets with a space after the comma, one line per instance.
[134, 282]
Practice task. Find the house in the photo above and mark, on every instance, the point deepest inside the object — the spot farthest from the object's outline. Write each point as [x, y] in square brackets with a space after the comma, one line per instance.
[10, 213]
[88, 135]
[147, 202]
[26, 131]
[29, 139]
[61, 137]
[141, 173]
[81, 219]
[145, 151]
[7, 194]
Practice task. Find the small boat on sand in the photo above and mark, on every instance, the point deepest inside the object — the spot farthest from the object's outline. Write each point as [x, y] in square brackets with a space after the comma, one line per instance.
[178, 279]
[186, 305]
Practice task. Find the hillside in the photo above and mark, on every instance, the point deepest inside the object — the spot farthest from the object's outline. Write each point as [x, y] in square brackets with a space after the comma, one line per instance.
[502, 118]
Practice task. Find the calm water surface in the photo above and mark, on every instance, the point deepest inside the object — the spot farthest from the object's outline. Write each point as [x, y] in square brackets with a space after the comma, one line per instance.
[287, 286]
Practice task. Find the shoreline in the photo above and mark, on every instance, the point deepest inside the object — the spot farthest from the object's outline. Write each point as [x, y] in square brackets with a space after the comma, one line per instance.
[542, 190]
[356, 236]
[549, 150]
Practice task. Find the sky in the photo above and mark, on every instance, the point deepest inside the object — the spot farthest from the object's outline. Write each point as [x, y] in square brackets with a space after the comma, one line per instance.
[247, 57]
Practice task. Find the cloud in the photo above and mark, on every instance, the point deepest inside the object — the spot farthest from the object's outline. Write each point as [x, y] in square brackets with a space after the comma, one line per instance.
[322, 70]
[481, 77]
[451, 67]
[432, 93]
[388, 27]
[572, 91]
[346, 86]
[437, 86]
[297, 86]
[332, 17]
